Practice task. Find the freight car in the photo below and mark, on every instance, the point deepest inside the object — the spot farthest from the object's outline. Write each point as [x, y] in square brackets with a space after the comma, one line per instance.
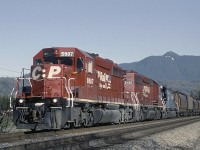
[178, 104]
[187, 105]
[196, 106]
[72, 88]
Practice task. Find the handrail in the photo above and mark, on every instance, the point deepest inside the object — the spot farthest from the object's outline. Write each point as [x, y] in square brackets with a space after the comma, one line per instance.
[29, 79]
[17, 88]
[69, 91]
[72, 97]
[11, 97]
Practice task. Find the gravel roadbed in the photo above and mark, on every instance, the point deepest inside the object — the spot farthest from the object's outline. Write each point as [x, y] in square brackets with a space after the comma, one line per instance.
[182, 138]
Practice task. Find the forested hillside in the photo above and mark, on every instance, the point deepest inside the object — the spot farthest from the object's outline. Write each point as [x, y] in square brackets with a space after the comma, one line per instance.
[177, 72]
[188, 87]
[169, 66]
[6, 85]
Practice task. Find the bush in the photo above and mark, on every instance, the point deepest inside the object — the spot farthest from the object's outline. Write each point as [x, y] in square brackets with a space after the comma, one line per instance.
[4, 103]
[5, 113]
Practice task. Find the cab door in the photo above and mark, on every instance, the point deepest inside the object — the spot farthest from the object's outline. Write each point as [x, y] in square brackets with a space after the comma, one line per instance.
[78, 77]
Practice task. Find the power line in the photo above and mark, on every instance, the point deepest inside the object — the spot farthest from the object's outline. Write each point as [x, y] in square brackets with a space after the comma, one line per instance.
[9, 70]
[6, 76]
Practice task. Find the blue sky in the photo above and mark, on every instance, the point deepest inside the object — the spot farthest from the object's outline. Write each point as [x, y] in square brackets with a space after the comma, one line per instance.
[123, 31]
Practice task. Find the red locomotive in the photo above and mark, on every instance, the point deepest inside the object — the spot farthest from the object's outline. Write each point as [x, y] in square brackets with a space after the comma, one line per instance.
[69, 87]
[143, 94]
[72, 88]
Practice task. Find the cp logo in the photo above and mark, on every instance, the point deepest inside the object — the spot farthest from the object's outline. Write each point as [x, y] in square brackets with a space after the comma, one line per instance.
[39, 73]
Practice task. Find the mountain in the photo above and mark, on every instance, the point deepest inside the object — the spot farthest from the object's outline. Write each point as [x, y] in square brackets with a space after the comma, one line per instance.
[169, 66]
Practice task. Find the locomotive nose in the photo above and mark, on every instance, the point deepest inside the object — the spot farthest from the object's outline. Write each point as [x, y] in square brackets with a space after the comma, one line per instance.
[46, 80]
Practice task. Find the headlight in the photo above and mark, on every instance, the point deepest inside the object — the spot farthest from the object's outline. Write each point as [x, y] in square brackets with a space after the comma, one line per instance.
[55, 100]
[21, 101]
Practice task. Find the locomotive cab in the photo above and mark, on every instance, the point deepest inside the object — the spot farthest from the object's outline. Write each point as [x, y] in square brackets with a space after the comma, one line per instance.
[55, 72]
[57, 75]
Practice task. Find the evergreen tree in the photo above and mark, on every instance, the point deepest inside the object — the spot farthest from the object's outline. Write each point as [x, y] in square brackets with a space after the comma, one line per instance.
[4, 103]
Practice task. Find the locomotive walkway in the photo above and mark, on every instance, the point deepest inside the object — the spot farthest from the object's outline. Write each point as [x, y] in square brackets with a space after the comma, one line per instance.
[91, 138]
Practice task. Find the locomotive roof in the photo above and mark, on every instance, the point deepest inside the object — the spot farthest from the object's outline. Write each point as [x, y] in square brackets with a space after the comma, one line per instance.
[86, 54]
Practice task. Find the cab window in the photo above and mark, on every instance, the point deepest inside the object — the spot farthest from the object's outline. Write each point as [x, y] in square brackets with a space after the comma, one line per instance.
[38, 61]
[66, 61]
[89, 67]
[79, 64]
[51, 60]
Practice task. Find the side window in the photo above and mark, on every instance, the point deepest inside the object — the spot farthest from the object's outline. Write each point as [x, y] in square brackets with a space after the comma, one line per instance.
[89, 67]
[138, 80]
[115, 71]
[79, 64]
[151, 82]
[38, 61]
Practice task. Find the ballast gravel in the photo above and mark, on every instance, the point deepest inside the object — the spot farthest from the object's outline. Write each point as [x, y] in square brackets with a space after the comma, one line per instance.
[182, 138]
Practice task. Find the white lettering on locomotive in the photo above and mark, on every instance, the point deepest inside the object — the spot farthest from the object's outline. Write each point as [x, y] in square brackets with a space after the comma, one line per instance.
[90, 81]
[66, 54]
[54, 70]
[129, 82]
[105, 80]
[146, 91]
[36, 73]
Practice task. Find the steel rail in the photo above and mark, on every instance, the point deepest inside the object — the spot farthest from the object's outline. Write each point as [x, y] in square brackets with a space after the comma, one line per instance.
[96, 137]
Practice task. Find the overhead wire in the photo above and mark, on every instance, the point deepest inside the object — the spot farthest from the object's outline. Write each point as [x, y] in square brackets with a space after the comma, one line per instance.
[9, 70]
[6, 76]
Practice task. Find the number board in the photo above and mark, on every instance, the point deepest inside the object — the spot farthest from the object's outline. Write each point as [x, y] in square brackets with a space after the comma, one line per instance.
[66, 54]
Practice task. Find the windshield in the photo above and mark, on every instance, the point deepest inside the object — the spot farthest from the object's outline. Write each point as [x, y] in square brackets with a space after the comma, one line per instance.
[66, 61]
[51, 60]
[62, 60]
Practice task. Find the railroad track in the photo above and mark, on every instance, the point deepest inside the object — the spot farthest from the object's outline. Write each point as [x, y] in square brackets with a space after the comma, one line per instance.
[90, 138]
